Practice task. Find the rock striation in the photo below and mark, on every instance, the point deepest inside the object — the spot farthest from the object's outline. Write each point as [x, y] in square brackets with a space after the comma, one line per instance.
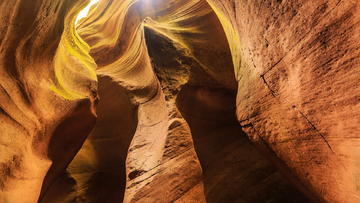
[48, 95]
[180, 101]
[297, 96]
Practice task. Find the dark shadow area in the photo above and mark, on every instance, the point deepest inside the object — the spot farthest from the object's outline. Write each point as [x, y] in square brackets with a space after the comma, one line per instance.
[60, 189]
[234, 171]
[97, 173]
[110, 139]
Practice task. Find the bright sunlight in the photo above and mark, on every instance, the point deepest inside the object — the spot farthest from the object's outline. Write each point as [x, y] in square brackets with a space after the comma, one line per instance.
[85, 11]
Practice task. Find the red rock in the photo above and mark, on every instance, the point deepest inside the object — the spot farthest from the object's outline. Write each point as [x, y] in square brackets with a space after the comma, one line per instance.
[185, 94]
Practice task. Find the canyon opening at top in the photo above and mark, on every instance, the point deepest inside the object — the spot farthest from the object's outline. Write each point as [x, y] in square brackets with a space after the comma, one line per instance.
[179, 101]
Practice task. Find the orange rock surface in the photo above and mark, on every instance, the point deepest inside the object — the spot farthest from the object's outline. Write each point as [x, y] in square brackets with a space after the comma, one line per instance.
[180, 101]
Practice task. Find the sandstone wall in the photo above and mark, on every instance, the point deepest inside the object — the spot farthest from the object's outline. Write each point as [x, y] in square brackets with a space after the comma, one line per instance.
[48, 95]
[297, 65]
[169, 82]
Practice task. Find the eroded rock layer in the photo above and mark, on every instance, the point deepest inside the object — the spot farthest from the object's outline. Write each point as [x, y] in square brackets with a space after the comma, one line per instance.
[226, 156]
[48, 95]
[298, 89]
[175, 79]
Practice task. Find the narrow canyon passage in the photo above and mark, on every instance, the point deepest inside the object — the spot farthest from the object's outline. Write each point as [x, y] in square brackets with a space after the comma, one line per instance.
[206, 100]
[97, 173]
[221, 146]
[234, 171]
[180, 101]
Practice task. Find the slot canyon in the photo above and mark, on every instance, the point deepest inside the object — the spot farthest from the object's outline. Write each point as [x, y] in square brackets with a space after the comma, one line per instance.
[181, 101]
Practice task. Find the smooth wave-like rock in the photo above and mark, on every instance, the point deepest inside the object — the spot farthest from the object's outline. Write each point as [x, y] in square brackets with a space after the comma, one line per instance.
[179, 101]
[48, 95]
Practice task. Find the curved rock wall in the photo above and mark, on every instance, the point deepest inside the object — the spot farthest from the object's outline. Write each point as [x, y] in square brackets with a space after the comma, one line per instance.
[177, 77]
[161, 148]
[298, 89]
[48, 95]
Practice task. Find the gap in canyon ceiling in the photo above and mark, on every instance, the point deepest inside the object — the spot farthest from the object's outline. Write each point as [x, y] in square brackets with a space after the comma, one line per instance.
[179, 101]
[196, 77]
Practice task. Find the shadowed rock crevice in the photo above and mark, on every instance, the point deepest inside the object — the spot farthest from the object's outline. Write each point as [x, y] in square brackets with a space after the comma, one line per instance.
[225, 152]
[142, 101]
[99, 168]
[223, 149]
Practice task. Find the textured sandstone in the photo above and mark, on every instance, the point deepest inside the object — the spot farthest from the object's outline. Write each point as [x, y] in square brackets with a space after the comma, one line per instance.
[298, 89]
[39, 99]
[175, 79]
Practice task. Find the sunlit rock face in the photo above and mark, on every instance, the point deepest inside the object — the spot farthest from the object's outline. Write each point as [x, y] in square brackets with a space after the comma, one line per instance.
[48, 93]
[179, 101]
